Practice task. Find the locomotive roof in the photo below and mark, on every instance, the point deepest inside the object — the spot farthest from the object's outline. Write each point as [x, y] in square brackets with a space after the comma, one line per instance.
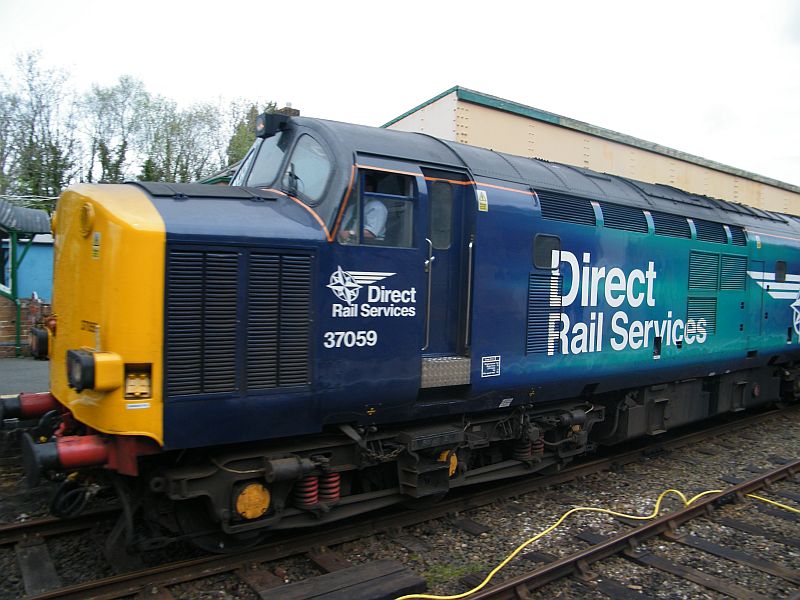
[540, 175]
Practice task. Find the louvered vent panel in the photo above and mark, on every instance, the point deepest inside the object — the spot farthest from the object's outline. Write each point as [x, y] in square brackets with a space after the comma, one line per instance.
[671, 225]
[703, 271]
[629, 218]
[204, 337]
[738, 236]
[295, 306]
[219, 322]
[201, 322]
[703, 308]
[710, 232]
[559, 207]
[184, 313]
[263, 294]
[734, 272]
[541, 288]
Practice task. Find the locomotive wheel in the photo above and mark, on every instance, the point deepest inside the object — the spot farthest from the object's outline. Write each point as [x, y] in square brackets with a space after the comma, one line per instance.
[196, 525]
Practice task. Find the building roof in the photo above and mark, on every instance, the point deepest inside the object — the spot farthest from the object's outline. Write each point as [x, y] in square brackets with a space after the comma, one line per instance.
[530, 112]
[23, 220]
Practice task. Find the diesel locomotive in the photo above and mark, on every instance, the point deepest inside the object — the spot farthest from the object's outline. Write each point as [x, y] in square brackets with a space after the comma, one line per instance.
[368, 317]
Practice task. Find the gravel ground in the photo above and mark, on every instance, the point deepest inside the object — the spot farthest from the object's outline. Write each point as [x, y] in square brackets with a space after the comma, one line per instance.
[452, 553]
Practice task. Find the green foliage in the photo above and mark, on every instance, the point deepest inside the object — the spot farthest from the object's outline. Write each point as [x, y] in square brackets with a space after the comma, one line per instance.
[50, 136]
[40, 145]
[244, 132]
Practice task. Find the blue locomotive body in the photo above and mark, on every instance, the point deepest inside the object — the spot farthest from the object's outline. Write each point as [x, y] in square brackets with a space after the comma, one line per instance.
[372, 315]
[632, 279]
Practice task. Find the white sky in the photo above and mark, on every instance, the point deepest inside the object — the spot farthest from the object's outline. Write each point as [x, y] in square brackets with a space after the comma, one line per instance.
[717, 79]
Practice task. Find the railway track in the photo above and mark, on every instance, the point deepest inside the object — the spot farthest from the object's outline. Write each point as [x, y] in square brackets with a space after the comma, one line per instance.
[627, 544]
[246, 566]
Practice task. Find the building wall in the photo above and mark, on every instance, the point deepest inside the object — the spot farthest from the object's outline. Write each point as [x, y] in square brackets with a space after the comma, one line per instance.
[436, 119]
[36, 271]
[32, 312]
[504, 131]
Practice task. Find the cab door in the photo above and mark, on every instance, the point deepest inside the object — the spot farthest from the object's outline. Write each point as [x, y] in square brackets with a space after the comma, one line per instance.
[447, 247]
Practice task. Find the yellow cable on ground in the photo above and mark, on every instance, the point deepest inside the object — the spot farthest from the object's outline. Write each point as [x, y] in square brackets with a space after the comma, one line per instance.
[571, 511]
[774, 503]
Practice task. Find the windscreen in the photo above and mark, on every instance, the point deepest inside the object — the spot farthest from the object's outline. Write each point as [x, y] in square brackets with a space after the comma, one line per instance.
[267, 159]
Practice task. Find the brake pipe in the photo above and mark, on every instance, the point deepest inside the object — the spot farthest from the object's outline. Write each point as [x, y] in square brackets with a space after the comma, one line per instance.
[27, 405]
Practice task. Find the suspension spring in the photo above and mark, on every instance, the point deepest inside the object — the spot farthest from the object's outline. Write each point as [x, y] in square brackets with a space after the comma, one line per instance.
[306, 492]
[523, 450]
[537, 447]
[330, 488]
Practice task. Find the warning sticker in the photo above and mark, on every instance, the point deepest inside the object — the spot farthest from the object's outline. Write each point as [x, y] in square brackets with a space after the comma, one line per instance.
[96, 245]
[483, 201]
[490, 366]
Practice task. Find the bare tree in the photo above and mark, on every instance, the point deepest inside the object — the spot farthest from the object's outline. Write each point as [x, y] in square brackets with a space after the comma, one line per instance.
[113, 118]
[42, 132]
[8, 109]
[181, 145]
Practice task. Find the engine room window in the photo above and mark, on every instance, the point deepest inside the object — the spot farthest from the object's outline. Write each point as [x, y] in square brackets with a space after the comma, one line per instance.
[440, 196]
[543, 248]
[308, 171]
[381, 211]
[780, 271]
[266, 162]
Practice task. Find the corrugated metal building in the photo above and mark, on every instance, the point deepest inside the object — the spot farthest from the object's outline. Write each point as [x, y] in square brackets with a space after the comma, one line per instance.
[479, 119]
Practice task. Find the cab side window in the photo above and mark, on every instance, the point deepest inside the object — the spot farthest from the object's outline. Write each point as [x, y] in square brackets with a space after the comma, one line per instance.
[381, 211]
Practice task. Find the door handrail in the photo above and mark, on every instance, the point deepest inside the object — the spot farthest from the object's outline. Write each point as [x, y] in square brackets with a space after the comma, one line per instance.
[429, 271]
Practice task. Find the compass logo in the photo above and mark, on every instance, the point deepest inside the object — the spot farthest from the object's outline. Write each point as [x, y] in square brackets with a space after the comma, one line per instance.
[346, 285]
[789, 289]
[796, 313]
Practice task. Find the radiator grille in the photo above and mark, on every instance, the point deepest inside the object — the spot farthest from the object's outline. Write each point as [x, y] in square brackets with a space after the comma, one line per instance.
[734, 272]
[703, 308]
[671, 225]
[629, 218]
[263, 292]
[227, 308]
[709, 231]
[541, 288]
[703, 271]
[738, 236]
[558, 207]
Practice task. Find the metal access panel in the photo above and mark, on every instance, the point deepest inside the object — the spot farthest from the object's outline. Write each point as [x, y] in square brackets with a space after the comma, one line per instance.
[441, 371]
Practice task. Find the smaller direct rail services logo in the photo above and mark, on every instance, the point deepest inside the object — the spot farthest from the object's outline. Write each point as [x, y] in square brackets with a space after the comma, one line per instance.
[788, 289]
[346, 285]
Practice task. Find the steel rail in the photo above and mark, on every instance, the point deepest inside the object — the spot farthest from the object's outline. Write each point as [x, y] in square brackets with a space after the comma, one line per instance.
[518, 586]
[11, 533]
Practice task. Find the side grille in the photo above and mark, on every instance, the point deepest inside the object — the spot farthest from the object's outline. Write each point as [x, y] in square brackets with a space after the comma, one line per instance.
[734, 272]
[629, 218]
[184, 331]
[709, 231]
[263, 292]
[278, 326]
[558, 207]
[671, 225]
[703, 308]
[226, 309]
[219, 322]
[703, 271]
[541, 288]
[738, 236]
